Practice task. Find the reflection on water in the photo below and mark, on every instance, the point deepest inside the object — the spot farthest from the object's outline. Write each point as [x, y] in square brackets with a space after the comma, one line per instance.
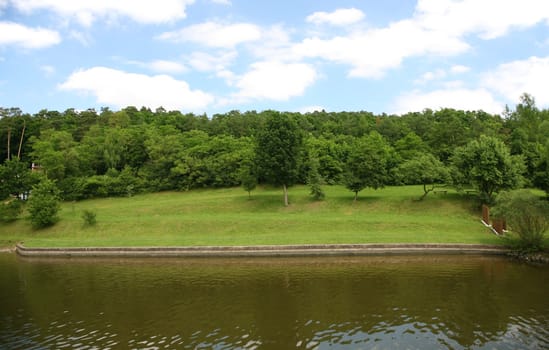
[433, 302]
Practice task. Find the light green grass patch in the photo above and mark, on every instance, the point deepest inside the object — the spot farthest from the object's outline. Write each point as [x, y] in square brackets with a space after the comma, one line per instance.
[229, 217]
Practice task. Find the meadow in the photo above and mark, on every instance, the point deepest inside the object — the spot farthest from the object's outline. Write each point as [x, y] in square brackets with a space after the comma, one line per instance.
[229, 217]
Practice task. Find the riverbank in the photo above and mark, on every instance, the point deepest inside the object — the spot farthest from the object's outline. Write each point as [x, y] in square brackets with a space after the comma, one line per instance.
[227, 217]
[535, 257]
[265, 251]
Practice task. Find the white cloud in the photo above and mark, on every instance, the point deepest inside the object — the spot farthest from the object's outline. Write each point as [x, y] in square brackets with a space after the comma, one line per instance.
[275, 44]
[214, 34]
[158, 66]
[515, 78]
[340, 17]
[27, 37]
[163, 66]
[487, 18]
[217, 63]
[459, 69]
[437, 27]
[206, 62]
[458, 98]
[275, 81]
[430, 76]
[372, 52]
[86, 12]
[121, 89]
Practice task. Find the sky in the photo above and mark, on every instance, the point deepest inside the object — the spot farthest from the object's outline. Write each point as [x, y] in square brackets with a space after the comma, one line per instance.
[214, 56]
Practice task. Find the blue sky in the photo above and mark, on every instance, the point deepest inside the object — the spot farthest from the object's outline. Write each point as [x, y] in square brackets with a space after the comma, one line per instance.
[213, 56]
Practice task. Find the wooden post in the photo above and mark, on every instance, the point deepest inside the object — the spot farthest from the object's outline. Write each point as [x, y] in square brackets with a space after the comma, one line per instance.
[498, 225]
[485, 214]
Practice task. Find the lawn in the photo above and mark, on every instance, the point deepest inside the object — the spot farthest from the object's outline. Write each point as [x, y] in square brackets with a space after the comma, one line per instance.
[229, 217]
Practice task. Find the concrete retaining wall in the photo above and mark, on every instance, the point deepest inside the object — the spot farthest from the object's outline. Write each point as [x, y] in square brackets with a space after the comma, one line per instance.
[264, 251]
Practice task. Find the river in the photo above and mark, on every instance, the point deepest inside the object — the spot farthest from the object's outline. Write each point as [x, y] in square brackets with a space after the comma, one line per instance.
[378, 302]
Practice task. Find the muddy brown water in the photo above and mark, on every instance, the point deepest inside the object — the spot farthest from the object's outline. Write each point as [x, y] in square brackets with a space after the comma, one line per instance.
[377, 302]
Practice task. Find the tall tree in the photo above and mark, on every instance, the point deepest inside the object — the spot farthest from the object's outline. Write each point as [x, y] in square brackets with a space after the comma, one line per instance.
[368, 163]
[487, 165]
[278, 151]
[56, 153]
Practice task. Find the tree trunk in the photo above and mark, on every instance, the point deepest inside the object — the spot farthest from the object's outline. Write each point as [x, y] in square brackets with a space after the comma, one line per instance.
[426, 191]
[21, 140]
[9, 139]
[285, 195]
[356, 196]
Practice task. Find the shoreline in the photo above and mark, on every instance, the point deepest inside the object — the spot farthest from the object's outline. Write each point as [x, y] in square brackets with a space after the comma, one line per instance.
[265, 250]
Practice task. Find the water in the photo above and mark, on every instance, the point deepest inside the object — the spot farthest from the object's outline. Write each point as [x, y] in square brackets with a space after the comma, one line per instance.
[434, 302]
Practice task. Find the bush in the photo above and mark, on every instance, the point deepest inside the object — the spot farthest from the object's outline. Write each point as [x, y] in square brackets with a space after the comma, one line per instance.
[89, 217]
[44, 204]
[10, 209]
[526, 214]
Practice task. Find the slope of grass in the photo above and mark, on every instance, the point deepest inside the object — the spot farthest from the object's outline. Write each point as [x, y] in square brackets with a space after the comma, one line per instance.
[229, 217]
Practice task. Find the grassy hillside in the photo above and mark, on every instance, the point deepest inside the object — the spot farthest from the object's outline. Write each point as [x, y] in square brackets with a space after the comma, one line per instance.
[229, 217]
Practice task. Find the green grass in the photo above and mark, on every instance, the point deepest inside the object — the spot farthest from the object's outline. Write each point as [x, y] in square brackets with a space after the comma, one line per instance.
[229, 217]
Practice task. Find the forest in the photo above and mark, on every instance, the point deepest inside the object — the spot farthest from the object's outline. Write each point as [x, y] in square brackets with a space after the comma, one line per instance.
[90, 153]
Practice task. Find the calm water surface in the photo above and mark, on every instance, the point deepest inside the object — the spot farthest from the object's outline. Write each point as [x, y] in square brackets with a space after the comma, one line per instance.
[434, 302]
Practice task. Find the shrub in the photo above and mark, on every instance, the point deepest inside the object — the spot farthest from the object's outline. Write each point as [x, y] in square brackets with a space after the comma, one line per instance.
[44, 204]
[10, 209]
[526, 214]
[89, 217]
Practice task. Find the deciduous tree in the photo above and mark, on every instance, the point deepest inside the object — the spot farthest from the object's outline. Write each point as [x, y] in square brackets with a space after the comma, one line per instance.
[424, 169]
[487, 165]
[278, 151]
[368, 163]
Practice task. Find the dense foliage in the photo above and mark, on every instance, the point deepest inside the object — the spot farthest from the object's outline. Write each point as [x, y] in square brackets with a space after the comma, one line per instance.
[118, 153]
[527, 216]
[44, 204]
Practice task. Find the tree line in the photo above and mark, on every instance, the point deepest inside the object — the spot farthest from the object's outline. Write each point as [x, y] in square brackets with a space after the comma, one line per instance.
[90, 153]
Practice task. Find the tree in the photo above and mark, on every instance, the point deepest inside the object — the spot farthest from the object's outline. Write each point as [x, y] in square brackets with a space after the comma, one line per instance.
[15, 178]
[541, 179]
[314, 180]
[487, 165]
[527, 216]
[248, 177]
[528, 133]
[410, 146]
[424, 169]
[44, 204]
[164, 146]
[56, 153]
[278, 151]
[368, 163]
[330, 153]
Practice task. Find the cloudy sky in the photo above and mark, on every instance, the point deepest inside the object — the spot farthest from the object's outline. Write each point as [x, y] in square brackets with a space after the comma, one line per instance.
[214, 56]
